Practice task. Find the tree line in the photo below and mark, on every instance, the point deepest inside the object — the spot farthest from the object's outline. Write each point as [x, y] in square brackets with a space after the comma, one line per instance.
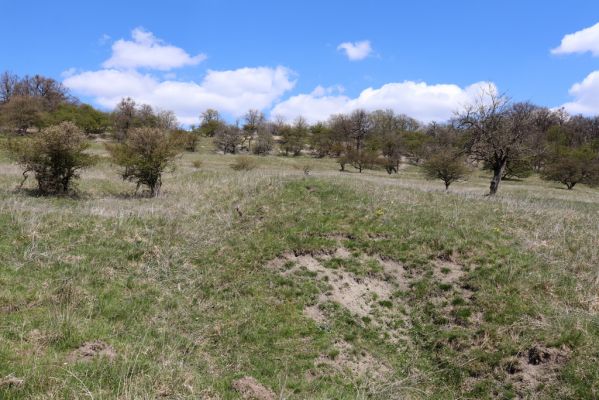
[509, 139]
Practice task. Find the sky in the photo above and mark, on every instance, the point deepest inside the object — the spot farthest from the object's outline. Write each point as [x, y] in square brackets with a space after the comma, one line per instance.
[425, 59]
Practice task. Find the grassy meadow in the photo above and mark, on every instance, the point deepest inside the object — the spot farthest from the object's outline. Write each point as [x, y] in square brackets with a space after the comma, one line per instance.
[232, 274]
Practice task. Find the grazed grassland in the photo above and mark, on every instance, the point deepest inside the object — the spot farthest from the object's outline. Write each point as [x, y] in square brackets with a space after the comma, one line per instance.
[332, 285]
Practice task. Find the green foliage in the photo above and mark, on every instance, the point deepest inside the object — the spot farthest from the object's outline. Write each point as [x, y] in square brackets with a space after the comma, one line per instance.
[54, 156]
[22, 112]
[414, 144]
[571, 166]
[294, 137]
[90, 120]
[144, 155]
[445, 165]
[211, 123]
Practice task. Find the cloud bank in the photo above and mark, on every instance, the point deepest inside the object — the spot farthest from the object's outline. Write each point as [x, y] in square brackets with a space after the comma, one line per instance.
[417, 99]
[143, 68]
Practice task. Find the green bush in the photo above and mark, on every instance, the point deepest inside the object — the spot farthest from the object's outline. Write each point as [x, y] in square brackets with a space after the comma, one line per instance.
[54, 156]
[144, 155]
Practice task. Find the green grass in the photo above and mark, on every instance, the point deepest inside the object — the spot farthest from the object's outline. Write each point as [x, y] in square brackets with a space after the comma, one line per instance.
[179, 287]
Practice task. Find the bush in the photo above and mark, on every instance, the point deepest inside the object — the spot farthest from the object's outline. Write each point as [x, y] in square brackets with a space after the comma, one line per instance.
[573, 166]
[197, 164]
[244, 163]
[227, 139]
[264, 143]
[187, 140]
[144, 155]
[54, 156]
[446, 166]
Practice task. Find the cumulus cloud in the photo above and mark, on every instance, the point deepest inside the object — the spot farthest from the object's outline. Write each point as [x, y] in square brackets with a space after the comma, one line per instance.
[232, 92]
[147, 51]
[357, 50]
[417, 99]
[586, 96]
[585, 40]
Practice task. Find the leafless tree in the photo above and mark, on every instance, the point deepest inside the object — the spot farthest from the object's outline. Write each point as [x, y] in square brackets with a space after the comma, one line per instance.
[498, 131]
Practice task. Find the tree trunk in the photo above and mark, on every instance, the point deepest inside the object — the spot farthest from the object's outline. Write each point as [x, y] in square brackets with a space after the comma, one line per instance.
[498, 172]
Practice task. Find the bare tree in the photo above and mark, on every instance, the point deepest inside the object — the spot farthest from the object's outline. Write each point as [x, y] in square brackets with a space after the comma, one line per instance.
[124, 117]
[254, 122]
[497, 131]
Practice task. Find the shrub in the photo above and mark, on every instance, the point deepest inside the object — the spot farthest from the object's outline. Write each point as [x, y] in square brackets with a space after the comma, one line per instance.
[227, 139]
[197, 164]
[446, 166]
[144, 155]
[54, 156]
[187, 140]
[244, 163]
[572, 166]
[264, 143]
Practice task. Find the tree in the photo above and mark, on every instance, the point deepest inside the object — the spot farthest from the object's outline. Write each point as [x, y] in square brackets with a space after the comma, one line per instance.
[497, 132]
[90, 120]
[264, 142]
[22, 113]
[228, 138]
[211, 122]
[294, 137]
[254, 122]
[187, 139]
[360, 125]
[322, 140]
[8, 83]
[144, 155]
[571, 166]
[123, 117]
[447, 165]
[54, 156]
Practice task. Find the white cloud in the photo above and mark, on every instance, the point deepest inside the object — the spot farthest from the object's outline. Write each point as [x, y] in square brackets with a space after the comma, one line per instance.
[232, 92]
[417, 99]
[147, 51]
[586, 96]
[580, 42]
[357, 50]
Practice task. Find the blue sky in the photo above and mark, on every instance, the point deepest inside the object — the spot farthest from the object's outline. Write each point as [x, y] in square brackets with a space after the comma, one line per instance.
[424, 56]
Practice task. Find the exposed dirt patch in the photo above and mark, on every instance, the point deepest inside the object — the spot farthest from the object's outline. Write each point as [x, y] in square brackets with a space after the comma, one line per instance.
[357, 363]
[356, 294]
[537, 366]
[448, 272]
[90, 350]
[11, 381]
[250, 389]
[314, 313]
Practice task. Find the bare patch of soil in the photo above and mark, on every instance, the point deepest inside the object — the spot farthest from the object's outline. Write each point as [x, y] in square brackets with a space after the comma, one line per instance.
[354, 293]
[90, 350]
[448, 272]
[356, 363]
[11, 381]
[250, 389]
[537, 366]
